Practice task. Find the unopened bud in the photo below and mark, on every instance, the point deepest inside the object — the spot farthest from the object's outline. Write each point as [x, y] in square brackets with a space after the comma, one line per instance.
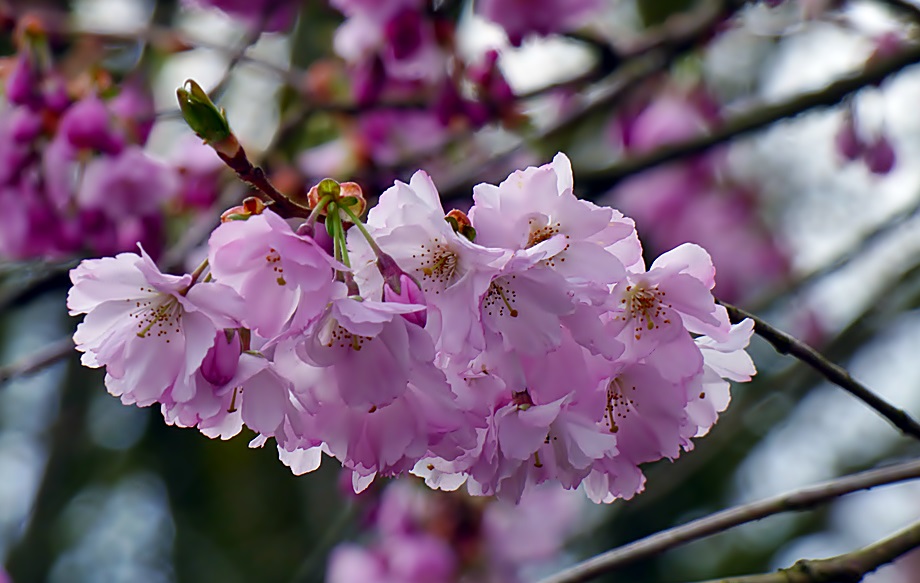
[847, 140]
[461, 224]
[390, 271]
[887, 45]
[408, 292]
[346, 194]
[880, 156]
[352, 197]
[205, 119]
[327, 188]
[252, 205]
[307, 229]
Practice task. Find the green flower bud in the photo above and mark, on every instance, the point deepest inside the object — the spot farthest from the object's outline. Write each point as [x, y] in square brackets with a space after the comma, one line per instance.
[201, 114]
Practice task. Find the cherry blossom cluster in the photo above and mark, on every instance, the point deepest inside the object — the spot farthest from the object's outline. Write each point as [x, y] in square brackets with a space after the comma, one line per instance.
[521, 343]
[74, 176]
[419, 537]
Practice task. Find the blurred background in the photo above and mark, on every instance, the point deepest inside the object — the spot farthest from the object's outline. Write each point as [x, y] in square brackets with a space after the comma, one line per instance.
[812, 221]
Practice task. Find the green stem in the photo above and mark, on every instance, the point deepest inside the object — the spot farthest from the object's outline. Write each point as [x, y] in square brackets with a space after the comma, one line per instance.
[354, 219]
[333, 217]
[198, 271]
[314, 214]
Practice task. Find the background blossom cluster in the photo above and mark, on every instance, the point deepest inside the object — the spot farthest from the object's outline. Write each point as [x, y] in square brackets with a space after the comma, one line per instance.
[417, 536]
[526, 342]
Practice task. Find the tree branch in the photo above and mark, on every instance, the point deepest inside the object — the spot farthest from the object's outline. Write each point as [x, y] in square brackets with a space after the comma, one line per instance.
[847, 568]
[764, 116]
[871, 239]
[905, 6]
[787, 344]
[38, 360]
[721, 521]
[680, 34]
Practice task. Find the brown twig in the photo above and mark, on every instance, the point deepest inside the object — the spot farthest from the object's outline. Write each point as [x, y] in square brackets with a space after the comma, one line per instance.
[762, 117]
[721, 521]
[678, 35]
[846, 568]
[787, 344]
[255, 176]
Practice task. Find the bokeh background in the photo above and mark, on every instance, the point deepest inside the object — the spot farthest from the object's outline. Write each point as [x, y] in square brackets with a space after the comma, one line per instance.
[824, 246]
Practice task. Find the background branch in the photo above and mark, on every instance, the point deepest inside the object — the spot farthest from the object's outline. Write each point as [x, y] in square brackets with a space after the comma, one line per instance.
[787, 344]
[846, 568]
[866, 243]
[762, 117]
[35, 362]
[676, 37]
[721, 521]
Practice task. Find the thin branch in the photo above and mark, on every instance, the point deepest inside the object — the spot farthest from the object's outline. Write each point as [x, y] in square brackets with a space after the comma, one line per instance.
[905, 6]
[846, 568]
[35, 362]
[874, 237]
[679, 35]
[799, 500]
[249, 39]
[763, 116]
[786, 344]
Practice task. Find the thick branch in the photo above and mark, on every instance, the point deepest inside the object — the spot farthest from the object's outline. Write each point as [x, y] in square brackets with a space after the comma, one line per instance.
[764, 116]
[786, 344]
[721, 521]
[846, 568]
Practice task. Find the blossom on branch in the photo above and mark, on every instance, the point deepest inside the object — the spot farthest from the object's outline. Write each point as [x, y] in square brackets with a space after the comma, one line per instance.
[519, 345]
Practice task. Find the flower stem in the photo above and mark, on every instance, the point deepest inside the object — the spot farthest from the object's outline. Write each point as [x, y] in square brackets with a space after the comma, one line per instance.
[198, 271]
[362, 228]
[333, 218]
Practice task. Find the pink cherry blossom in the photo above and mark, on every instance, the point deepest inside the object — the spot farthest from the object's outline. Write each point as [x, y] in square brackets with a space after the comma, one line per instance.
[669, 300]
[453, 272]
[562, 258]
[722, 362]
[532, 531]
[369, 349]
[278, 273]
[536, 204]
[129, 184]
[150, 330]
[210, 399]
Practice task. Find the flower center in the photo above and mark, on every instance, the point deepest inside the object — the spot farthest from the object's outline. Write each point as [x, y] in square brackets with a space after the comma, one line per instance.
[500, 299]
[438, 266]
[540, 233]
[274, 261]
[157, 316]
[342, 338]
[619, 404]
[645, 306]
